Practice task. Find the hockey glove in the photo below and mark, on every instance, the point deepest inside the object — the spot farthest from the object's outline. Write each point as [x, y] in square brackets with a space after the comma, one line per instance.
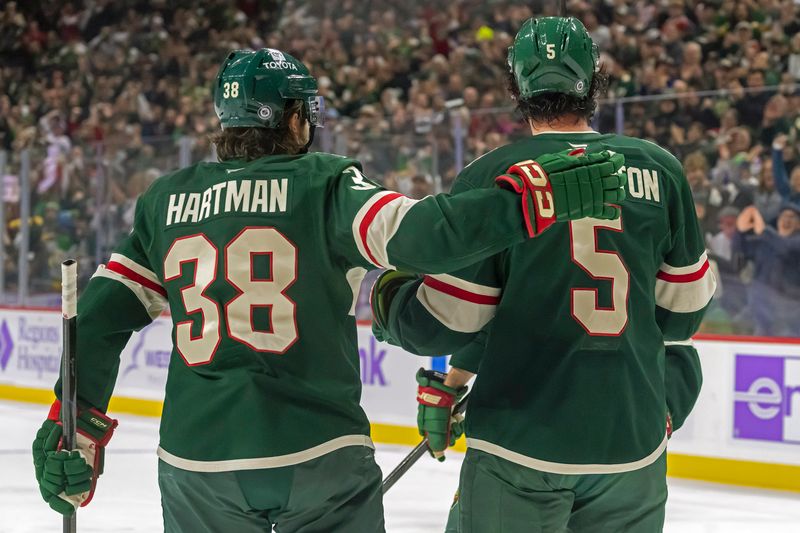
[568, 185]
[380, 299]
[67, 478]
[434, 413]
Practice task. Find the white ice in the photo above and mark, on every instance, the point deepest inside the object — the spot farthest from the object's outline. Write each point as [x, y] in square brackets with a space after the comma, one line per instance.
[127, 498]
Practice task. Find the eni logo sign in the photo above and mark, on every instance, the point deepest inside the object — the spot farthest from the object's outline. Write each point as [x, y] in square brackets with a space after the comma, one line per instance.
[767, 398]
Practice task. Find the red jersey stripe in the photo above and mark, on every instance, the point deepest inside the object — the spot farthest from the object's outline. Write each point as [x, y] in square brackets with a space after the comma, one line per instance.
[684, 278]
[121, 269]
[363, 228]
[459, 293]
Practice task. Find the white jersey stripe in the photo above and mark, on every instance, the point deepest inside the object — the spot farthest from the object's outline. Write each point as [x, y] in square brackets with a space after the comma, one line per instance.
[688, 342]
[354, 278]
[567, 468]
[376, 223]
[257, 463]
[686, 297]
[153, 302]
[475, 288]
[136, 267]
[668, 269]
[454, 312]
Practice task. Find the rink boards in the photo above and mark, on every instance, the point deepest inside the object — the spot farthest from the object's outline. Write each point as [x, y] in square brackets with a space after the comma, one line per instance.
[745, 429]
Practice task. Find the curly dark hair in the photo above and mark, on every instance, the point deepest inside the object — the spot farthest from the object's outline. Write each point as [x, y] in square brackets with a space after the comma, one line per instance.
[549, 107]
[253, 143]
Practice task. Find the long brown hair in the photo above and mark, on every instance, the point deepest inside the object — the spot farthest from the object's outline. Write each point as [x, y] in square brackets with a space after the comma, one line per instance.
[253, 143]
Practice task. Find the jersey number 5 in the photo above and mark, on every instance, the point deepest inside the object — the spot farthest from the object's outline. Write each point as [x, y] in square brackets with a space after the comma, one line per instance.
[599, 264]
[252, 292]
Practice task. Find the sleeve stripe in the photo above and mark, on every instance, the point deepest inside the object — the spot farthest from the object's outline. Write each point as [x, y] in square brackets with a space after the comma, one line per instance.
[153, 302]
[464, 294]
[376, 223]
[686, 296]
[683, 278]
[687, 342]
[123, 270]
[454, 312]
[694, 267]
[136, 267]
[372, 212]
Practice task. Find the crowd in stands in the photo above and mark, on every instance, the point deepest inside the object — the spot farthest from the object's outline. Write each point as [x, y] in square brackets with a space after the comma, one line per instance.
[107, 93]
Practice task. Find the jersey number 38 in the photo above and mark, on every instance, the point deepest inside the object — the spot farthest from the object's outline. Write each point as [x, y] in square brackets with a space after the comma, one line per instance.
[252, 292]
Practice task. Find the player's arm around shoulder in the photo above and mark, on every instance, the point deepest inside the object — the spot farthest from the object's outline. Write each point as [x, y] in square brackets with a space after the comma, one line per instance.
[443, 233]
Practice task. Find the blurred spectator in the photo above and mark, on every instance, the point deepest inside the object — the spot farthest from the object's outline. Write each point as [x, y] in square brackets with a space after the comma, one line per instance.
[709, 198]
[421, 186]
[106, 95]
[774, 292]
[786, 182]
[765, 196]
[721, 244]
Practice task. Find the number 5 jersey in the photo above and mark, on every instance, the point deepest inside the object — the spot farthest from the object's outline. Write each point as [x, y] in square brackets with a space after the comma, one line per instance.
[259, 264]
[567, 331]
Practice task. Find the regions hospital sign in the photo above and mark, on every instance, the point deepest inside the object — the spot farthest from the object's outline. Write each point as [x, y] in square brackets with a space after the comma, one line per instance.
[748, 412]
[30, 356]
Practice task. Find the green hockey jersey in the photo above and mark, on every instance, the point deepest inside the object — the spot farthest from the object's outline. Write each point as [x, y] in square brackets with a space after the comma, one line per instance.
[259, 264]
[568, 330]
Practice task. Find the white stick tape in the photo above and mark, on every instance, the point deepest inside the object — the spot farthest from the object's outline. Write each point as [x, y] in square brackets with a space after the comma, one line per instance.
[69, 288]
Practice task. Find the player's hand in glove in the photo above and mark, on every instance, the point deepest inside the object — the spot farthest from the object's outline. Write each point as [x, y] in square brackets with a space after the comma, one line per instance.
[435, 418]
[67, 478]
[568, 185]
[380, 299]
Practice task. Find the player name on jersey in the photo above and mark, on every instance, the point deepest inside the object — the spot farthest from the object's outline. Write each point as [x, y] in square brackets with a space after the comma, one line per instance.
[233, 196]
[642, 183]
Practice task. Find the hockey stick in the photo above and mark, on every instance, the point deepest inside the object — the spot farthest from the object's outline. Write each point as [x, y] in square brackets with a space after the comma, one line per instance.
[69, 406]
[416, 453]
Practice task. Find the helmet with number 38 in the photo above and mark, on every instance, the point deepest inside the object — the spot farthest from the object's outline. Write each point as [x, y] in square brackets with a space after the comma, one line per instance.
[553, 55]
[253, 87]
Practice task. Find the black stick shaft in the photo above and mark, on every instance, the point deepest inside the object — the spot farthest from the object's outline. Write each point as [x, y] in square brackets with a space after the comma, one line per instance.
[69, 403]
[418, 451]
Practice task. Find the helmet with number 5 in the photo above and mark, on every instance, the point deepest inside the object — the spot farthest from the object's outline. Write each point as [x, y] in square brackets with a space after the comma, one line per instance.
[553, 55]
[253, 87]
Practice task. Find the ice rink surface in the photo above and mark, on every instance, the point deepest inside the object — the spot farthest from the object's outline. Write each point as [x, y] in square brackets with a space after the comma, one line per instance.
[127, 498]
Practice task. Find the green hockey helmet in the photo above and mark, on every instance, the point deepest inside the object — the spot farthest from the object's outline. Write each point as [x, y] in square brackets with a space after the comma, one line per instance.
[553, 55]
[253, 87]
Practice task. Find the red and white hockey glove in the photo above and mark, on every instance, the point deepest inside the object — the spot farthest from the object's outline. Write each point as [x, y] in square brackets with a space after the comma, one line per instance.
[67, 478]
[568, 185]
[435, 418]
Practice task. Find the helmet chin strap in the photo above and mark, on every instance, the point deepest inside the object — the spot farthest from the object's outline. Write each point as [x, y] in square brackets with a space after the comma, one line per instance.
[311, 129]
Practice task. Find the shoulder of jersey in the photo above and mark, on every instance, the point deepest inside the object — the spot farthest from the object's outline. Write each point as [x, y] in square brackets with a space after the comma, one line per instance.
[484, 169]
[331, 163]
[660, 155]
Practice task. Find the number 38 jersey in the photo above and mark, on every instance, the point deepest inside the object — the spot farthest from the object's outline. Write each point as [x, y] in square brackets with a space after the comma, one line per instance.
[259, 264]
[567, 332]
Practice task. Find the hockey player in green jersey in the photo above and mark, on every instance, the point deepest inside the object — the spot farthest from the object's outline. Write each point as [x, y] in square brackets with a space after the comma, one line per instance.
[566, 424]
[259, 258]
